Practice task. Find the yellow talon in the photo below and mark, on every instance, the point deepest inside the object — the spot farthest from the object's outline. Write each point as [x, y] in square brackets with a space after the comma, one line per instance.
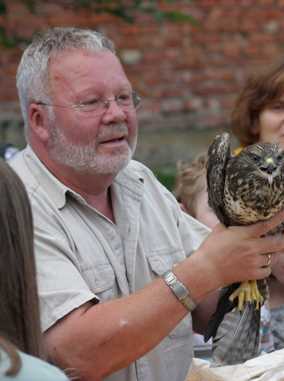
[247, 292]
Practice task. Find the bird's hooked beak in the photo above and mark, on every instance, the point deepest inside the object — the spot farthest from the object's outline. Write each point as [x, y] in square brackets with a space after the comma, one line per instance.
[269, 167]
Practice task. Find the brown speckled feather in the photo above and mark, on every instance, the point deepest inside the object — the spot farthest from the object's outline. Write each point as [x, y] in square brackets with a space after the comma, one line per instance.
[242, 190]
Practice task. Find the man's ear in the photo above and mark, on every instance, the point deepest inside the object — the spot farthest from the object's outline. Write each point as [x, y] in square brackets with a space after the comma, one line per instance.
[38, 122]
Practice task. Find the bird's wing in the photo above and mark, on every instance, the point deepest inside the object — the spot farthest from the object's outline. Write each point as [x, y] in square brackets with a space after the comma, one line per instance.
[219, 153]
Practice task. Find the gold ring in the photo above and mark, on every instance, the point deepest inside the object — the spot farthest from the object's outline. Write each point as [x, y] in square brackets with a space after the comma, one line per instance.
[268, 260]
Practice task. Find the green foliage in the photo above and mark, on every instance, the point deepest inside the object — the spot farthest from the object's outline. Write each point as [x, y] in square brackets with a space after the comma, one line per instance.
[125, 10]
[10, 41]
[128, 10]
[30, 4]
[166, 176]
[178, 17]
[3, 8]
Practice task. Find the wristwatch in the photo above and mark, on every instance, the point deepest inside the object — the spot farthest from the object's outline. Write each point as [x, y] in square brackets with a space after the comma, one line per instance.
[181, 292]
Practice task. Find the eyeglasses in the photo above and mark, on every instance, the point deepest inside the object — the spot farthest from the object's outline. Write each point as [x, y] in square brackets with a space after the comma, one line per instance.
[98, 106]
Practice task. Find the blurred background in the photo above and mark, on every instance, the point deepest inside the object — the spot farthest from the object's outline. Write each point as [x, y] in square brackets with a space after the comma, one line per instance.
[187, 59]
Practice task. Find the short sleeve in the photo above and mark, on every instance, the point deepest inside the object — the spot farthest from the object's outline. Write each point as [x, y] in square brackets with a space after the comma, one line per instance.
[61, 286]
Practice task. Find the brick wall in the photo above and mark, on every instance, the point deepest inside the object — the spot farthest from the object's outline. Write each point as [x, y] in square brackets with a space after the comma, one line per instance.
[187, 74]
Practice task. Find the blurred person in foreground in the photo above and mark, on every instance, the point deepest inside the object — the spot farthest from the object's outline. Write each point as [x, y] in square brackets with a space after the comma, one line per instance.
[122, 270]
[20, 336]
[258, 116]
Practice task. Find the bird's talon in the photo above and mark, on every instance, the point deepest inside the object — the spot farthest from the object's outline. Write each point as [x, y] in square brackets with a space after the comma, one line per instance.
[247, 293]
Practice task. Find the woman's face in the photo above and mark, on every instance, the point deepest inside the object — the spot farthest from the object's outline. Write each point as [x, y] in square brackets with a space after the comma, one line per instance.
[271, 123]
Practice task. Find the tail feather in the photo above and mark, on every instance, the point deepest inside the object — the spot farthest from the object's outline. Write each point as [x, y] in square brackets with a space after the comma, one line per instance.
[223, 307]
[237, 337]
[235, 333]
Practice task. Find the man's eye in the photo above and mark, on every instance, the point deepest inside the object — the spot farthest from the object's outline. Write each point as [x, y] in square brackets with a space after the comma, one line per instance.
[124, 97]
[90, 102]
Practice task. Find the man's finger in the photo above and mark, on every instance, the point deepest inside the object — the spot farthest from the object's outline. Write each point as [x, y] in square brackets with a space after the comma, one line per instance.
[263, 227]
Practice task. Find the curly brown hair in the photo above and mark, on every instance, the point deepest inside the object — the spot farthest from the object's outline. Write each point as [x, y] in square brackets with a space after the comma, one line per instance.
[261, 90]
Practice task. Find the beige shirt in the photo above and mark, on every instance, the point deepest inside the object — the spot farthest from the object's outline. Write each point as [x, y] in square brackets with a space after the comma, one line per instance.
[81, 255]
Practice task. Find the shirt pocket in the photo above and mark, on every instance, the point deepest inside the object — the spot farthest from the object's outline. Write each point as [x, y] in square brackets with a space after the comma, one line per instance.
[101, 280]
[159, 264]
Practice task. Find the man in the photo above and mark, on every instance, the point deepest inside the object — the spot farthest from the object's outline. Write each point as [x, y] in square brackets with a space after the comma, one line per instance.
[108, 237]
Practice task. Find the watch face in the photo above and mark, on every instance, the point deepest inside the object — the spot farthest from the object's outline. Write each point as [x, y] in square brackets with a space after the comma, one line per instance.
[179, 290]
[171, 277]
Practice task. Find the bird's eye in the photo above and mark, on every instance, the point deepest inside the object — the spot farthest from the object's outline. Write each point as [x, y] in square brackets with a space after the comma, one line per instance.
[255, 157]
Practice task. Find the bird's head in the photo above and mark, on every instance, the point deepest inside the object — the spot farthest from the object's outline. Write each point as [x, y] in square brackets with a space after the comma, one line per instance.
[266, 158]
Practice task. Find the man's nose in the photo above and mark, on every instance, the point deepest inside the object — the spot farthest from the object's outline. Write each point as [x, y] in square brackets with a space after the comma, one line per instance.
[113, 111]
[107, 103]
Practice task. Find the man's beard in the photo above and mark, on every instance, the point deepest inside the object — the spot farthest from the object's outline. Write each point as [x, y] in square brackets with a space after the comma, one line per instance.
[84, 158]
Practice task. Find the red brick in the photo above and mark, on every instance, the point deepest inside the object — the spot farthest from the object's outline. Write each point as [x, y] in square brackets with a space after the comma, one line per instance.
[183, 67]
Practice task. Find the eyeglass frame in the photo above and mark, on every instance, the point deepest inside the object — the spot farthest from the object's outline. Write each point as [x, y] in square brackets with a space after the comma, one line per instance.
[136, 101]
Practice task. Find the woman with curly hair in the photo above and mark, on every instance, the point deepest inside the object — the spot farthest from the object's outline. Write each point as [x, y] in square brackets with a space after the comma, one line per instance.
[258, 114]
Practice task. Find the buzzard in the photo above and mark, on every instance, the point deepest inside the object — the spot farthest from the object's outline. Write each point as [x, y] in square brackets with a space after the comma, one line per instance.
[242, 189]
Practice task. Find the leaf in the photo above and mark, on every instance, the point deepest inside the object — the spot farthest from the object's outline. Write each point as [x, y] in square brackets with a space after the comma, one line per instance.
[3, 8]
[122, 13]
[30, 4]
[176, 16]
[125, 10]
[7, 42]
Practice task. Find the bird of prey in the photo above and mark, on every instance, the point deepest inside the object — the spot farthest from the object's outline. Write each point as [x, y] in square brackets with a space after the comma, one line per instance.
[242, 189]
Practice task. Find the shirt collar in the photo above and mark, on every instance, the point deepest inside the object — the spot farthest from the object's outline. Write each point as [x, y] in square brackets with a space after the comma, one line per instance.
[131, 181]
[52, 186]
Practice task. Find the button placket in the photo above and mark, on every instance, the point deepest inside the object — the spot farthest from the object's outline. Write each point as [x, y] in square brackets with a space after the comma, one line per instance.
[116, 257]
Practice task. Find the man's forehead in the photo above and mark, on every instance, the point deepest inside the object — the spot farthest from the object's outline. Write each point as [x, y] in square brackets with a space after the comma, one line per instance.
[80, 60]
[79, 65]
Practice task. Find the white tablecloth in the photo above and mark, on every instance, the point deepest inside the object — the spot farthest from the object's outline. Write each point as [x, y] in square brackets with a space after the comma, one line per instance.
[268, 367]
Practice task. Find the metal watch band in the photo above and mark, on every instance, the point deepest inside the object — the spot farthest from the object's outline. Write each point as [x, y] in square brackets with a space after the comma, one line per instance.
[179, 290]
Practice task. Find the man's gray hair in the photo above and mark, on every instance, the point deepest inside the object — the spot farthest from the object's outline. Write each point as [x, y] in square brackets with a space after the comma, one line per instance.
[32, 74]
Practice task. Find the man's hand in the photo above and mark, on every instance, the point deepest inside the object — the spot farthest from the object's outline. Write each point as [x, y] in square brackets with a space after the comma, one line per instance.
[233, 254]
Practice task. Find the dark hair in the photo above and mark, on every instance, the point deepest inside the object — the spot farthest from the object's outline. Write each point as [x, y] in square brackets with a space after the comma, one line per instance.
[260, 91]
[19, 306]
